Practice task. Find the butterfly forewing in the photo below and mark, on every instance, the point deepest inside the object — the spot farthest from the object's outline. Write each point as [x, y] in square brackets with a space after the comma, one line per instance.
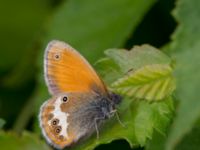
[67, 71]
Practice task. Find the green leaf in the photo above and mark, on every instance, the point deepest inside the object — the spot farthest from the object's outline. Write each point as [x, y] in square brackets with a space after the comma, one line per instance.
[145, 72]
[108, 69]
[157, 142]
[140, 119]
[151, 82]
[92, 26]
[137, 57]
[191, 141]
[185, 49]
[2, 122]
[28, 141]
[120, 62]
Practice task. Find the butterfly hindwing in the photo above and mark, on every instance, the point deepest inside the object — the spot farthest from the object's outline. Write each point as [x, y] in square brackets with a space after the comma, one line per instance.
[65, 119]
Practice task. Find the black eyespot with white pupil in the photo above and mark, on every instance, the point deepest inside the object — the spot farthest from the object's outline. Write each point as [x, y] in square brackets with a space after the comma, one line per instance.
[55, 122]
[57, 56]
[64, 99]
[58, 129]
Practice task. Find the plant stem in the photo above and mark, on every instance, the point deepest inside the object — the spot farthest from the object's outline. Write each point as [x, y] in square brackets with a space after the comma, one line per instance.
[25, 114]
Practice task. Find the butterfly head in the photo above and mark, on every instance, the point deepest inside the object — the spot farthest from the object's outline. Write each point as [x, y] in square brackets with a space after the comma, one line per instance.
[106, 105]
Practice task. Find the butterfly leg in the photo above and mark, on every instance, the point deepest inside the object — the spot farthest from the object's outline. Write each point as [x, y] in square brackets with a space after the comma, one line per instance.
[120, 122]
[96, 124]
[118, 119]
[96, 127]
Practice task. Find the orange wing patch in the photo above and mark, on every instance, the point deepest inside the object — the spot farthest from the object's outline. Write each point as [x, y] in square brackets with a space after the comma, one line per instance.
[67, 71]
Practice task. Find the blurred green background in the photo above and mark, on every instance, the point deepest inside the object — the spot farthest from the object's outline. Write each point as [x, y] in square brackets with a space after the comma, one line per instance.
[23, 30]
[89, 26]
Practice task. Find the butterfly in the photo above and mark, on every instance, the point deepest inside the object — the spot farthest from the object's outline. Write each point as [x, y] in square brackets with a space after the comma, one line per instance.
[80, 101]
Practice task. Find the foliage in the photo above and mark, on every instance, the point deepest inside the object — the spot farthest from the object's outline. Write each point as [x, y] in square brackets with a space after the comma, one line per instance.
[185, 49]
[148, 71]
[2, 122]
[144, 75]
[92, 30]
[27, 141]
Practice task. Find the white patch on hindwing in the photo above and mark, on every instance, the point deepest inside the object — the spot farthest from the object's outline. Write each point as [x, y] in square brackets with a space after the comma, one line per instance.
[61, 116]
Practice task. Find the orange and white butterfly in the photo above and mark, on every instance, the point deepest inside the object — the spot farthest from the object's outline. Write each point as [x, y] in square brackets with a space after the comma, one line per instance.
[80, 101]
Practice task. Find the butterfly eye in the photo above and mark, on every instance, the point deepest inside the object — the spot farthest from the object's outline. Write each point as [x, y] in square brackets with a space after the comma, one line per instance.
[55, 122]
[58, 129]
[65, 99]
